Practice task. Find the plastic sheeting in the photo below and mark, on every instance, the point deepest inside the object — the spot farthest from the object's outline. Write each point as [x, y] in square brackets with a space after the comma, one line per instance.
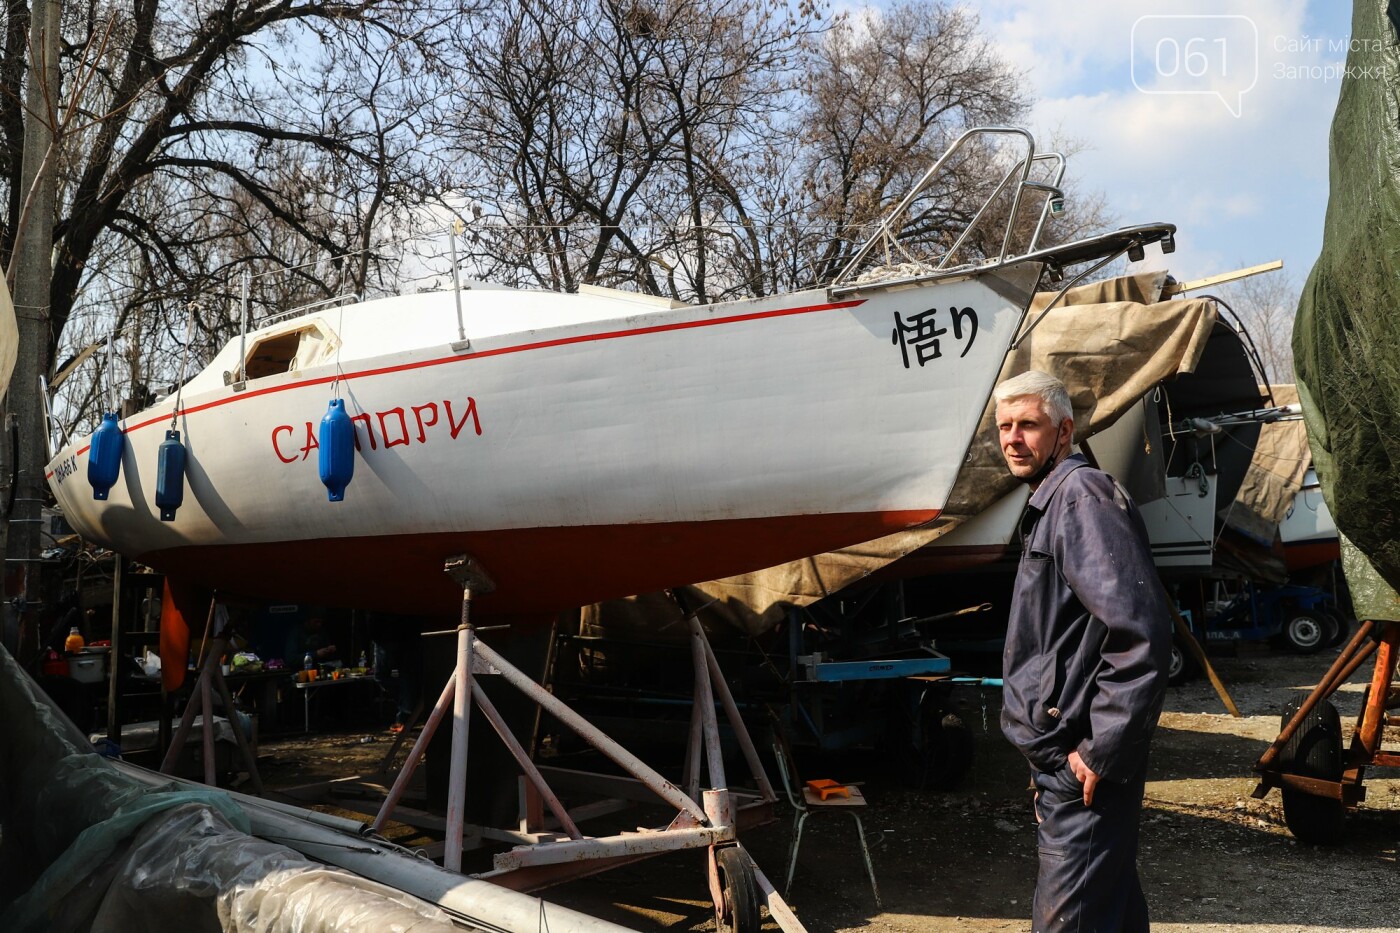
[1110, 342]
[86, 847]
[1346, 339]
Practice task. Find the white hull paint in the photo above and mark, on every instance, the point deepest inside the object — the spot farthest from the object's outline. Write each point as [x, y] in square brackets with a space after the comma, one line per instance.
[1308, 533]
[566, 413]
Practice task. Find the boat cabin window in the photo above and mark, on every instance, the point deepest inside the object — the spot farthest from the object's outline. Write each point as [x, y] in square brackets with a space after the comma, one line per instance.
[288, 352]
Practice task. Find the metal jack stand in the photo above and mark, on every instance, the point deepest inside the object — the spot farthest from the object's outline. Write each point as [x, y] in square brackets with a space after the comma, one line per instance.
[211, 677]
[541, 858]
[1319, 782]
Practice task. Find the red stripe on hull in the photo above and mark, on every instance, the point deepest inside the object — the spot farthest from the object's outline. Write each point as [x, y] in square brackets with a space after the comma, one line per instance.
[535, 569]
[353, 374]
[1308, 554]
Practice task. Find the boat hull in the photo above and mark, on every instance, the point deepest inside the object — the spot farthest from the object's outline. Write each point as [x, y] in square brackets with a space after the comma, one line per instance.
[575, 462]
[534, 570]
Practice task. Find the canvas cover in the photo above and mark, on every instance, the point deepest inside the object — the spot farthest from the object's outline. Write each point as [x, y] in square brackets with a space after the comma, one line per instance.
[1110, 342]
[1281, 459]
[1346, 338]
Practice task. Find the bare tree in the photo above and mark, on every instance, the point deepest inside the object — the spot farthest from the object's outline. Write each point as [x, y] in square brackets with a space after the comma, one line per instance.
[721, 149]
[888, 93]
[607, 138]
[1266, 305]
[265, 136]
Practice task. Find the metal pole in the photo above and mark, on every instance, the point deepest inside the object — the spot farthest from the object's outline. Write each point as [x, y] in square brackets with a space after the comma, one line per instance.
[461, 729]
[243, 329]
[488, 709]
[624, 759]
[182, 733]
[456, 284]
[731, 710]
[1368, 731]
[251, 760]
[419, 747]
[714, 756]
[114, 722]
[693, 746]
[206, 714]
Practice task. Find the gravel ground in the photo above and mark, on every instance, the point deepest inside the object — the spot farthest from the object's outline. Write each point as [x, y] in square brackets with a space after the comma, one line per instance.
[1213, 859]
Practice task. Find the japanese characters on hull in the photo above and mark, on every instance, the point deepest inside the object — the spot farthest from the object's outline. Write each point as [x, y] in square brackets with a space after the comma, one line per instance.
[922, 333]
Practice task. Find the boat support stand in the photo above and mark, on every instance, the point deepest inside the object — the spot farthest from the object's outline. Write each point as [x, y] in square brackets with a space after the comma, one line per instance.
[201, 701]
[737, 885]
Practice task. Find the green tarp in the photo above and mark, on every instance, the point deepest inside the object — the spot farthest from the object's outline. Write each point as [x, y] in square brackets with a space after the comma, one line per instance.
[1346, 340]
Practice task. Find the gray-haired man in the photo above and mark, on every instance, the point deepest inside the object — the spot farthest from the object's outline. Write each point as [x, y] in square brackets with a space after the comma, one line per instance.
[1085, 665]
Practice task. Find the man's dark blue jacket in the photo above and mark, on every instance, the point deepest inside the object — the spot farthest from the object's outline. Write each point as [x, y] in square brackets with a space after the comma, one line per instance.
[1090, 632]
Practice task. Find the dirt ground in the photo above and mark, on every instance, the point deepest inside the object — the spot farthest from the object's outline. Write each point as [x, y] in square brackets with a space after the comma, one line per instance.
[1213, 859]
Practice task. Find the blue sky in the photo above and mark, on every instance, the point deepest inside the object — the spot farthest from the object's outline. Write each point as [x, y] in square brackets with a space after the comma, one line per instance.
[1232, 149]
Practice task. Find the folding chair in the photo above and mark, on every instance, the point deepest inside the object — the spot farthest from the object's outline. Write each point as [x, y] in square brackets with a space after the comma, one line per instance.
[806, 801]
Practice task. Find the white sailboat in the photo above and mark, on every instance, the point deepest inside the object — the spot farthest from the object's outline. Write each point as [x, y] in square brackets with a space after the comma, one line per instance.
[579, 446]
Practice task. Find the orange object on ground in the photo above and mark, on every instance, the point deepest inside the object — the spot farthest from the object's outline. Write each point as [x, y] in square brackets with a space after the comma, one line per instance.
[825, 788]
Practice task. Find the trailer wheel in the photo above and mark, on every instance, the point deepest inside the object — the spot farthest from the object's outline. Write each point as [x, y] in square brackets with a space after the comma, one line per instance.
[927, 746]
[1307, 631]
[1182, 666]
[953, 753]
[739, 912]
[1314, 751]
[1343, 630]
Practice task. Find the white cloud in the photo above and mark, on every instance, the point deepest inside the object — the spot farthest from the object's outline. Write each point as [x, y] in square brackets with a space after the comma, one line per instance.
[1248, 187]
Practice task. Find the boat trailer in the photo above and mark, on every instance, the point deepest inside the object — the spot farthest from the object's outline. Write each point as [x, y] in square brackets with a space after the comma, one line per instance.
[1319, 782]
[549, 852]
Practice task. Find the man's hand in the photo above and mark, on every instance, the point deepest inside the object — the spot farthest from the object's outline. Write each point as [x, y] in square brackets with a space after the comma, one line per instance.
[1086, 776]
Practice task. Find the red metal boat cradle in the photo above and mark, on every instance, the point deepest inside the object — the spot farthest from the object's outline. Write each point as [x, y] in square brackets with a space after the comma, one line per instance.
[1314, 804]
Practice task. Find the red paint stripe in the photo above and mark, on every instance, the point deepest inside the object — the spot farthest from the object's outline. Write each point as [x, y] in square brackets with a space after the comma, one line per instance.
[500, 351]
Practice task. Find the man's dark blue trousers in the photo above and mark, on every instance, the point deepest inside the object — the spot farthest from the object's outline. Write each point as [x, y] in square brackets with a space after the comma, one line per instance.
[1088, 881]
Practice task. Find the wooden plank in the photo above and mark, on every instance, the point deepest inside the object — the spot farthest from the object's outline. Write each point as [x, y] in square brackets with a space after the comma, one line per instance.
[1221, 279]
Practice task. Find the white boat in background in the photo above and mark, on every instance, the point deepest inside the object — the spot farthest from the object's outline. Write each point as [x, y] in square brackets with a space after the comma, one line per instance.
[579, 446]
[1308, 532]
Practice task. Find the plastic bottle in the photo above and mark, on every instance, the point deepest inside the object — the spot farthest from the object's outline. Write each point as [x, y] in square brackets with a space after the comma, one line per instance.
[308, 662]
[363, 663]
[74, 642]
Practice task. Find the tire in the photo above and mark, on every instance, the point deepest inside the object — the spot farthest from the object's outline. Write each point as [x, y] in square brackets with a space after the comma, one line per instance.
[1307, 631]
[739, 913]
[1314, 751]
[1344, 628]
[929, 748]
[953, 753]
[1183, 666]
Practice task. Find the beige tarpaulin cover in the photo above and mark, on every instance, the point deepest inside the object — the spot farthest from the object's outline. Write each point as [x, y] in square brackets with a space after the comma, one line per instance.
[9, 338]
[1281, 458]
[1110, 344]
